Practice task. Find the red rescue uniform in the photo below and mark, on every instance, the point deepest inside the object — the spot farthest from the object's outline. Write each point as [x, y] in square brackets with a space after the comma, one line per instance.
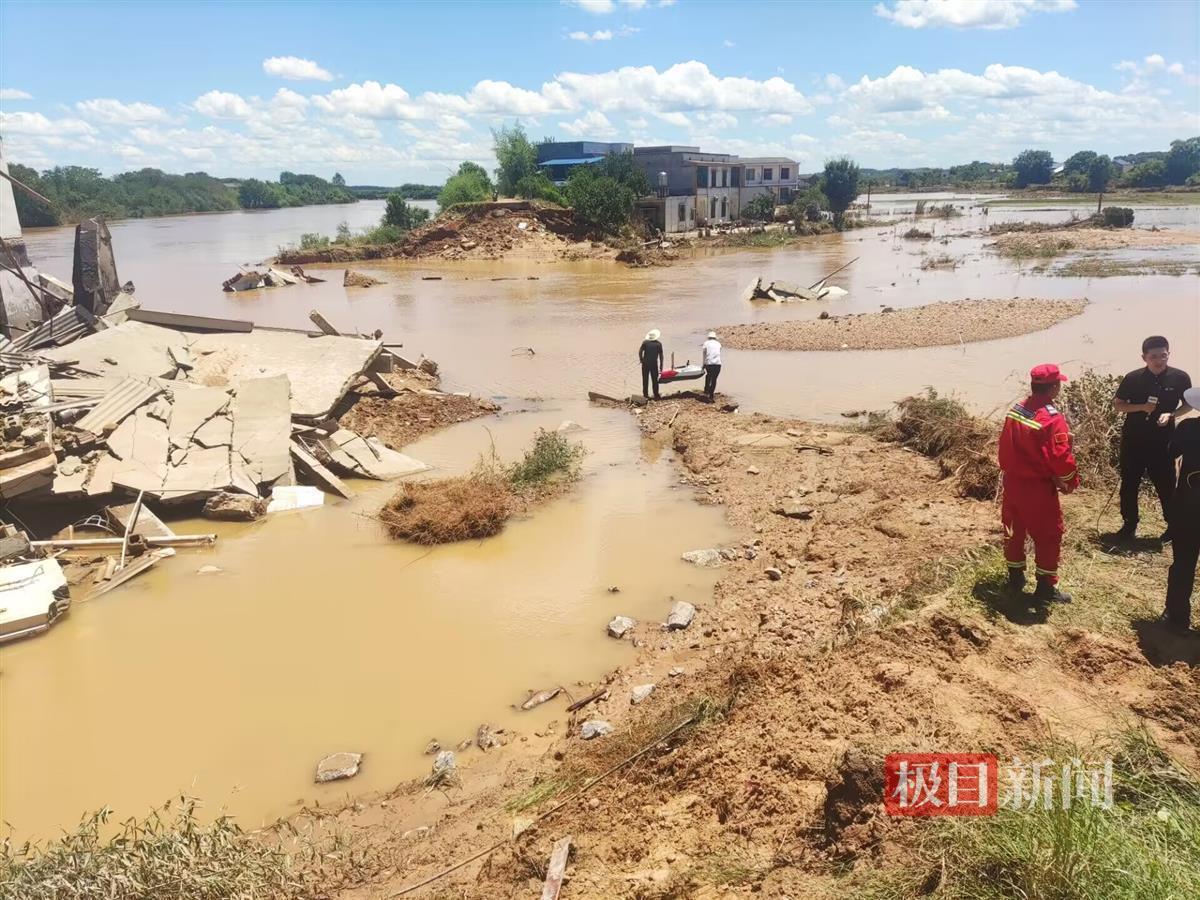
[1036, 458]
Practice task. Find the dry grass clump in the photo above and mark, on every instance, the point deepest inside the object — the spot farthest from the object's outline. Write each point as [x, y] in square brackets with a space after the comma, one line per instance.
[477, 505]
[453, 509]
[941, 428]
[916, 234]
[168, 855]
[1086, 401]
[944, 261]
[1034, 246]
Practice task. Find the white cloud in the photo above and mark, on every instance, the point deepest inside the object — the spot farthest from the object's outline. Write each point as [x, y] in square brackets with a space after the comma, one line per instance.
[222, 105]
[989, 14]
[1154, 61]
[678, 119]
[593, 36]
[834, 82]
[14, 94]
[114, 112]
[592, 124]
[597, 7]
[293, 68]
[634, 4]
[728, 43]
[1175, 69]
[775, 119]
[34, 123]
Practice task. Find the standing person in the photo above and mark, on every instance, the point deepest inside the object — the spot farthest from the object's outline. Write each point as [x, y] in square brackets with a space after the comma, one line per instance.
[650, 354]
[1150, 398]
[711, 358]
[1037, 462]
[1185, 519]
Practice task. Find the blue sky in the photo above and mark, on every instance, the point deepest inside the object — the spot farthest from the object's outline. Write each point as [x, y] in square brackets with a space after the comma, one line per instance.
[387, 92]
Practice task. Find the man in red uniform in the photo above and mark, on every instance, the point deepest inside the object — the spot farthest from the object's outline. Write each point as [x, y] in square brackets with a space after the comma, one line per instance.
[1036, 458]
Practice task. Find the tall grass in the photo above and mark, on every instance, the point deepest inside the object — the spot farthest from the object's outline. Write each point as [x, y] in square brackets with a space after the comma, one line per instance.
[1095, 425]
[169, 855]
[552, 457]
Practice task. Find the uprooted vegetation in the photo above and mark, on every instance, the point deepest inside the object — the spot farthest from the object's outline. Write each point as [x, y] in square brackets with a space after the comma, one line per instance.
[168, 855]
[917, 234]
[478, 505]
[1086, 401]
[941, 428]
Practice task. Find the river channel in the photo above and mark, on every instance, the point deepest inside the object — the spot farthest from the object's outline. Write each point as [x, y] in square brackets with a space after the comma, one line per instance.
[318, 634]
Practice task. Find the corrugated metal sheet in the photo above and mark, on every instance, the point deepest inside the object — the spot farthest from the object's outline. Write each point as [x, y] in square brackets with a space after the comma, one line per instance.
[83, 388]
[69, 325]
[117, 404]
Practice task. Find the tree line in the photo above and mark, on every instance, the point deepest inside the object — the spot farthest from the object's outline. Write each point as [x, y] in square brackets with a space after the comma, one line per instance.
[77, 192]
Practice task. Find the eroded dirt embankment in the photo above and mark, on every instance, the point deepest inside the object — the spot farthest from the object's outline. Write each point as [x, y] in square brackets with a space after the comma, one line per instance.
[934, 325]
[1064, 239]
[796, 680]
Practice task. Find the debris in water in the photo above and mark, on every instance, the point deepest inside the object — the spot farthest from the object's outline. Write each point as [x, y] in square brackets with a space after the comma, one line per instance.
[337, 766]
[539, 697]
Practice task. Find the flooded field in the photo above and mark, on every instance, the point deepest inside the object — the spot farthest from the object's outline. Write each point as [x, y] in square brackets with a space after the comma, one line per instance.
[319, 635]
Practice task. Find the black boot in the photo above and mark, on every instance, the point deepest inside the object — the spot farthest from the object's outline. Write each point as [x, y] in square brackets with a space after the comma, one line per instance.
[1016, 581]
[1126, 532]
[1048, 592]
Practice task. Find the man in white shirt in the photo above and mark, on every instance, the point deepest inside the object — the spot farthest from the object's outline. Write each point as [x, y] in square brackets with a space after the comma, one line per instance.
[711, 359]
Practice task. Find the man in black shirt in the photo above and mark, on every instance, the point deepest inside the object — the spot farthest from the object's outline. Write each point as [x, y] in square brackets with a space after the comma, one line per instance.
[1150, 397]
[651, 356]
[1185, 519]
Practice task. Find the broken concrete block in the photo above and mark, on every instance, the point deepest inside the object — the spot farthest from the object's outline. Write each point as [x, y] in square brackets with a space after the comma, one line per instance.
[640, 693]
[337, 766]
[793, 510]
[358, 279]
[620, 626]
[705, 558]
[594, 728]
[681, 615]
[230, 507]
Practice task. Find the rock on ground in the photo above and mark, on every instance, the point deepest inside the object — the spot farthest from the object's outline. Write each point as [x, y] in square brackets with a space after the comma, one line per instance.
[358, 279]
[681, 615]
[640, 693]
[487, 737]
[336, 766]
[445, 761]
[620, 626]
[594, 728]
[231, 507]
[707, 558]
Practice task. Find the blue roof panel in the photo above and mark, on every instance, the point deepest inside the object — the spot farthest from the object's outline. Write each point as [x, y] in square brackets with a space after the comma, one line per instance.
[571, 162]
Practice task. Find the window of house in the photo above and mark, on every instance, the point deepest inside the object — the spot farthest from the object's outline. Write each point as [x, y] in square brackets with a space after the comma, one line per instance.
[682, 212]
[785, 174]
[767, 173]
[691, 214]
[701, 176]
[712, 208]
[724, 208]
[725, 178]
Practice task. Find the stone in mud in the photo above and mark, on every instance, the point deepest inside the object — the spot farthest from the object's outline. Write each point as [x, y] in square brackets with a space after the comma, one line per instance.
[640, 693]
[486, 737]
[464, 744]
[729, 553]
[705, 558]
[337, 766]
[231, 507]
[620, 626]
[681, 615]
[432, 747]
[675, 672]
[358, 279]
[209, 570]
[774, 574]
[793, 510]
[445, 761]
[594, 728]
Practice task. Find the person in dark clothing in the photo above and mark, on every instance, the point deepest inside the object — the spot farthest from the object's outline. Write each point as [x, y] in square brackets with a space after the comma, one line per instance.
[650, 354]
[1185, 519]
[1151, 398]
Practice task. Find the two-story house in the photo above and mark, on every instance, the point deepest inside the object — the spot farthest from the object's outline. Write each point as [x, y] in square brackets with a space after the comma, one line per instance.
[774, 175]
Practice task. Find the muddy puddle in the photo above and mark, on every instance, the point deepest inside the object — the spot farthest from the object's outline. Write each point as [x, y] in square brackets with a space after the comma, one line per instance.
[319, 635]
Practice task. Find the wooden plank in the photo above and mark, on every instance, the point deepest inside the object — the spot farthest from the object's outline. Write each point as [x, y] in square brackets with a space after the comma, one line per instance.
[313, 466]
[136, 567]
[114, 543]
[557, 868]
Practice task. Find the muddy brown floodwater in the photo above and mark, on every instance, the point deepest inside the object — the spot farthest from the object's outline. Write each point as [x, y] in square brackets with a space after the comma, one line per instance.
[320, 635]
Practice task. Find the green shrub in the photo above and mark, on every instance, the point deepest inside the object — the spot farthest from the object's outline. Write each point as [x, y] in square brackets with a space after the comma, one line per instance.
[1117, 216]
[551, 456]
[600, 201]
[313, 241]
[400, 215]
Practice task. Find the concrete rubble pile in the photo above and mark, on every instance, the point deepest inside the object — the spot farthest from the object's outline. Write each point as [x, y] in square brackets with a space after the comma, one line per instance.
[789, 291]
[105, 403]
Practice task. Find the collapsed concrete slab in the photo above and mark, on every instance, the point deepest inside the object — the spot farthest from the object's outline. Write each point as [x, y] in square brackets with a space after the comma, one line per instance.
[94, 275]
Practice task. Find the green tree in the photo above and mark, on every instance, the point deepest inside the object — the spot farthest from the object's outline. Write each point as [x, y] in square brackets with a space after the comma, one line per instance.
[469, 185]
[539, 187]
[1183, 160]
[255, 194]
[601, 201]
[1033, 167]
[623, 168]
[840, 186]
[31, 212]
[1099, 174]
[808, 205]
[338, 180]
[516, 156]
[400, 215]
[759, 209]
[1147, 175]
